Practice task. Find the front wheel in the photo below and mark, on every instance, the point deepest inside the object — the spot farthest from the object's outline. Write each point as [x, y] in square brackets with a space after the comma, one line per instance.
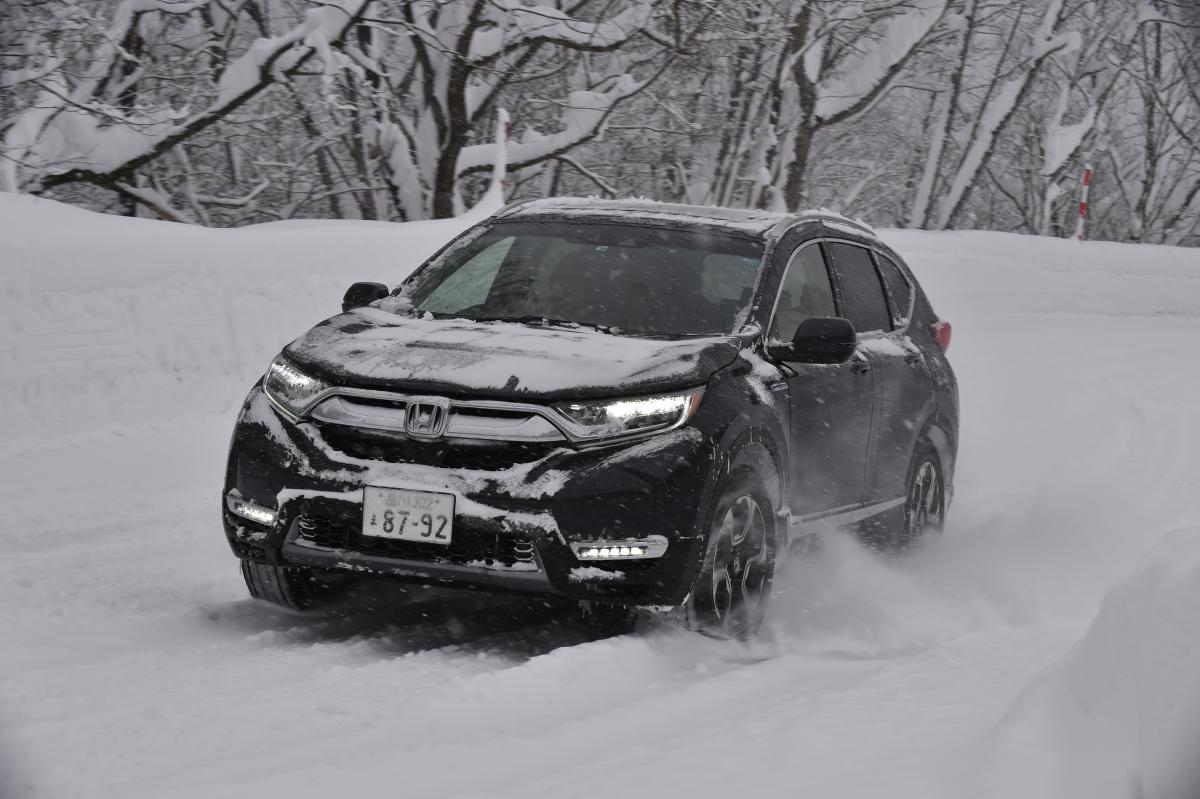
[730, 595]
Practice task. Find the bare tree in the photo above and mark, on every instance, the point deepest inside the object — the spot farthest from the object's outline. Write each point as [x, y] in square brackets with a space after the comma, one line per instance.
[81, 127]
[437, 72]
[1160, 183]
[931, 113]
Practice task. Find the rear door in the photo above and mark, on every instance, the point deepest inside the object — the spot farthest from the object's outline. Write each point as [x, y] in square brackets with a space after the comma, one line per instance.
[905, 387]
[880, 325]
[830, 404]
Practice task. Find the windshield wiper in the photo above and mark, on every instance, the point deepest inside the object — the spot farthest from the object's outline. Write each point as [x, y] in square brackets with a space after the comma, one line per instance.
[547, 321]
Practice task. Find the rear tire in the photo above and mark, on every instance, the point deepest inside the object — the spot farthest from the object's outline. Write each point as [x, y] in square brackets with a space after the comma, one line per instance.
[730, 596]
[923, 511]
[925, 495]
[292, 587]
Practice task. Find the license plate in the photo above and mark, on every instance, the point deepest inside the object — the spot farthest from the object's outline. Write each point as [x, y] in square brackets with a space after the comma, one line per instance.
[424, 516]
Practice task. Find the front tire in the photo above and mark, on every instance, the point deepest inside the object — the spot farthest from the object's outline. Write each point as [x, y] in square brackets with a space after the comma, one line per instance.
[292, 587]
[729, 598]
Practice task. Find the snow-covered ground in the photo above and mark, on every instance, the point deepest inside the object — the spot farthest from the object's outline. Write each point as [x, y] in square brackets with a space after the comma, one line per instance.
[133, 665]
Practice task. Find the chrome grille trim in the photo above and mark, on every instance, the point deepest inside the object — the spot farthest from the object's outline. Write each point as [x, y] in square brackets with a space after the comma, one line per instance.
[335, 410]
[532, 429]
[525, 423]
[552, 428]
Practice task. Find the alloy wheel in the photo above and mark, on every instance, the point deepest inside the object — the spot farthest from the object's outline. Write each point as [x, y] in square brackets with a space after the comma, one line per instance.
[742, 566]
[926, 503]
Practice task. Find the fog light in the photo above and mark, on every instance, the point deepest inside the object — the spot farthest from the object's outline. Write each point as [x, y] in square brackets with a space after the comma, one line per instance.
[650, 547]
[248, 510]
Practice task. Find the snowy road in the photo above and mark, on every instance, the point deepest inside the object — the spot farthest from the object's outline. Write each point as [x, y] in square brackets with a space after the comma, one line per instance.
[132, 665]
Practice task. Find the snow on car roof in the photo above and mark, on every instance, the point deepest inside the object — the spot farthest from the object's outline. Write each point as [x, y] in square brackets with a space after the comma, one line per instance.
[741, 220]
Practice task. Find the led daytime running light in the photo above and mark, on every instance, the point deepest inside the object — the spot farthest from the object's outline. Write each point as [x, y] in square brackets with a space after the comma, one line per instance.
[613, 552]
[293, 377]
[248, 510]
[633, 549]
[291, 389]
[627, 416]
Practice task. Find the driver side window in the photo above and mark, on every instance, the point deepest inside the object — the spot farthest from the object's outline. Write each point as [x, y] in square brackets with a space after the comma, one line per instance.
[470, 285]
[806, 292]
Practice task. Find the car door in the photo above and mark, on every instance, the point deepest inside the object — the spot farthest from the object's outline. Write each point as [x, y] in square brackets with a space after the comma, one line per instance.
[904, 387]
[867, 306]
[830, 405]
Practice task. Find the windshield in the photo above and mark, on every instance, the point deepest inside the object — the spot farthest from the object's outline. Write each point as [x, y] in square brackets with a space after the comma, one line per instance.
[621, 278]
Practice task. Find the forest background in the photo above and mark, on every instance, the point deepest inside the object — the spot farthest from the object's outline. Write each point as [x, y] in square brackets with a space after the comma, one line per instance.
[932, 114]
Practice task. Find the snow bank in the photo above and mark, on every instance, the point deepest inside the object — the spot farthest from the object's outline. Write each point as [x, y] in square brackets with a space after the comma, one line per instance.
[133, 665]
[1119, 716]
[107, 320]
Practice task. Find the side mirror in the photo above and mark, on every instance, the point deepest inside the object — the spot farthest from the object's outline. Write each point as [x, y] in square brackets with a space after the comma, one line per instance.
[361, 294]
[819, 339]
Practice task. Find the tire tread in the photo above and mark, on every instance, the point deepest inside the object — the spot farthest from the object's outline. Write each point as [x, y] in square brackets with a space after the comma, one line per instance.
[280, 585]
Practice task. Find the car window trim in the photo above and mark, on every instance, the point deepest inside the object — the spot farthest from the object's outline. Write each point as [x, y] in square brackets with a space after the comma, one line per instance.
[876, 332]
[875, 248]
[835, 290]
[908, 281]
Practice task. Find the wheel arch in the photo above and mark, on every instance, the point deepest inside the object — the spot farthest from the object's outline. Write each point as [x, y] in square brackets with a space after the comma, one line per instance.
[752, 448]
[746, 442]
[938, 432]
[749, 467]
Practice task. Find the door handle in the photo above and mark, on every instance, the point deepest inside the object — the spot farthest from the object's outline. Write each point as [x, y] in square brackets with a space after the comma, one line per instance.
[860, 366]
[913, 359]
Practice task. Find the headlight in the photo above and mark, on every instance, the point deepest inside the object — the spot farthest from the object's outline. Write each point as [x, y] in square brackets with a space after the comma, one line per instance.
[289, 388]
[611, 418]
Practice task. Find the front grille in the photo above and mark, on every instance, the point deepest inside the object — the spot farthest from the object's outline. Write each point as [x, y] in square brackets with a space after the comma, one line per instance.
[469, 546]
[451, 454]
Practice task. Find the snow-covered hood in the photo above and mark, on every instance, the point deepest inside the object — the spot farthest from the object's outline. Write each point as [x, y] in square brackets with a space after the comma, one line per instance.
[373, 348]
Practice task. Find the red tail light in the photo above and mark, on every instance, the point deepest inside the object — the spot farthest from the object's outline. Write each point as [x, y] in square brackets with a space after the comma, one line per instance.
[941, 332]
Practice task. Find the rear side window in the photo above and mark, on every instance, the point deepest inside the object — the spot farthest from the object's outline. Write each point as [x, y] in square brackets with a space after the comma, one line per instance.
[898, 288]
[862, 293]
[805, 293]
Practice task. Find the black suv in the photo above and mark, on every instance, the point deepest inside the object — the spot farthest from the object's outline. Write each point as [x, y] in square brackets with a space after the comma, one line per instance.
[626, 403]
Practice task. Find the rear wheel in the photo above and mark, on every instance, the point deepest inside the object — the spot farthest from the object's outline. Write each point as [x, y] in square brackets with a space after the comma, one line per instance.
[730, 595]
[922, 511]
[925, 497]
[294, 587]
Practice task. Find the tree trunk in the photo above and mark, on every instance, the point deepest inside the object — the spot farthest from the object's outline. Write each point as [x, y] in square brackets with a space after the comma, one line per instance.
[797, 170]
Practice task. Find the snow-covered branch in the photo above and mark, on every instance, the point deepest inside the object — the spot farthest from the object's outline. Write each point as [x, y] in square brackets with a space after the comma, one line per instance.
[930, 113]
[58, 141]
[582, 119]
[525, 26]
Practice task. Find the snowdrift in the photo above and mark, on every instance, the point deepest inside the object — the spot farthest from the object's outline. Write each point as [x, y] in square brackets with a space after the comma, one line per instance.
[109, 320]
[1119, 716]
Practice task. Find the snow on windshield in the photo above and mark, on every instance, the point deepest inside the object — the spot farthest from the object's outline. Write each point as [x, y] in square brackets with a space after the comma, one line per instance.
[619, 277]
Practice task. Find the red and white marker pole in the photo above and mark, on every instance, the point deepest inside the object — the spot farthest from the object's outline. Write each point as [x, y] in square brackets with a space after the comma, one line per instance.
[1083, 201]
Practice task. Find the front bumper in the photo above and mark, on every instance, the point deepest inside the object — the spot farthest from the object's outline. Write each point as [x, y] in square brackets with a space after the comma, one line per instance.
[520, 512]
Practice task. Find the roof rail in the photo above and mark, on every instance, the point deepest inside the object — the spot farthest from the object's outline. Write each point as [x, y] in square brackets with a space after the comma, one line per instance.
[825, 215]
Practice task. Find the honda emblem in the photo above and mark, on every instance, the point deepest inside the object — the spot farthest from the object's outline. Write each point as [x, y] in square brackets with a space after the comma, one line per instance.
[427, 417]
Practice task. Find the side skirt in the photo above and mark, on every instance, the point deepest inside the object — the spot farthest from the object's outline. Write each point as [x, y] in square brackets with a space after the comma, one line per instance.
[810, 524]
